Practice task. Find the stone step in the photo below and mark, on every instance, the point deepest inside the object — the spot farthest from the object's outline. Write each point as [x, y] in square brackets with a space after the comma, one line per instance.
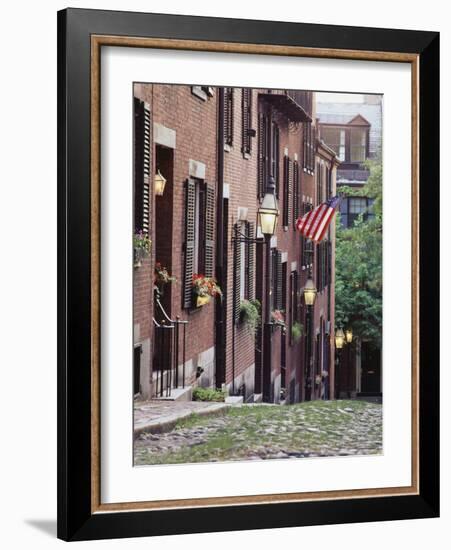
[178, 394]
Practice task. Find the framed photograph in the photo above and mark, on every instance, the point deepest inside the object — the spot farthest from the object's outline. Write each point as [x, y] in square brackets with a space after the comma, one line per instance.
[248, 274]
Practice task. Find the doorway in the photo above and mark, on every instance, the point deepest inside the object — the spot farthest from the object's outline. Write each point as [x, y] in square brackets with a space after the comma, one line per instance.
[370, 369]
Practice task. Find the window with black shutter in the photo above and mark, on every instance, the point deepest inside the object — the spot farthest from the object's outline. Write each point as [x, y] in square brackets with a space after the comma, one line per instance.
[246, 107]
[294, 314]
[262, 169]
[268, 152]
[190, 233]
[228, 117]
[199, 234]
[237, 263]
[142, 166]
[287, 190]
[308, 147]
[276, 280]
[275, 155]
[250, 261]
[296, 192]
[329, 182]
[306, 244]
[209, 230]
[244, 266]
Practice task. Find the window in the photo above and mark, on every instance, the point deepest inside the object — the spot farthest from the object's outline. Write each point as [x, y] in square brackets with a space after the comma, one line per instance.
[329, 182]
[357, 206]
[322, 259]
[228, 117]
[352, 207]
[244, 266]
[268, 153]
[349, 144]
[242, 263]
[294, 313]
[276, 280]
[306, 244]
[199, 234]
[246, 106]
[309, 136]
[287, 190]
[296, 193]
[142, 166]
[336, 140]
[319, 183]
[358, 145]
[202, 92]
[275, 158]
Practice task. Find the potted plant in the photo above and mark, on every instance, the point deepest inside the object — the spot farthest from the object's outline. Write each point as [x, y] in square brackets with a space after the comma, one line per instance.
[162, 277]
[250, 314]
[204, 288]
[296, 332]
[141, 247]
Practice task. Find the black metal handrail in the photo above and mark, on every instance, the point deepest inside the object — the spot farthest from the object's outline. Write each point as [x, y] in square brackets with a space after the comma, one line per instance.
[168, 346]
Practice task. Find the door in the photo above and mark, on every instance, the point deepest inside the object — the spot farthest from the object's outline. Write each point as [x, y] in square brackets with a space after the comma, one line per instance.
[136, 369]
[370, 369]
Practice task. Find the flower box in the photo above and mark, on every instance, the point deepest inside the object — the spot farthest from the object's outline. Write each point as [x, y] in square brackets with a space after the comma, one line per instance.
[202, 300]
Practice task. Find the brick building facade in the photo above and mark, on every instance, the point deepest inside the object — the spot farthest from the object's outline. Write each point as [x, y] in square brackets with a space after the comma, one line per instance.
[216, 147]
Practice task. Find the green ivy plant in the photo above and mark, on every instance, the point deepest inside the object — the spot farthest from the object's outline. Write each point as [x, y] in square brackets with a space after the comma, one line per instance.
[250, 314]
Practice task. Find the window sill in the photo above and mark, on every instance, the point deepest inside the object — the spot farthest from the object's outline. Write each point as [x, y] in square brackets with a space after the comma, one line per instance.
[199, 93]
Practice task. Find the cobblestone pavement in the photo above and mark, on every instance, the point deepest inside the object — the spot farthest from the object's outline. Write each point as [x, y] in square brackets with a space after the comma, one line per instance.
[254, 432]
[159, 415]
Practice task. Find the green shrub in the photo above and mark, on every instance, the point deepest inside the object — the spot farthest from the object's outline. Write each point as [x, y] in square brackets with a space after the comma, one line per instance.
[208, 394]
[296, 331]
[250, 314]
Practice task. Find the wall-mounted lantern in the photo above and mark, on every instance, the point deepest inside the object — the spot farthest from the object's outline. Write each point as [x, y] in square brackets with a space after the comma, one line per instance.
[159, 183]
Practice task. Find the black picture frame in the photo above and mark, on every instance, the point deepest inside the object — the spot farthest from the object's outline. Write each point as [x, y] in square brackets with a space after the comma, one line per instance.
[76, 521]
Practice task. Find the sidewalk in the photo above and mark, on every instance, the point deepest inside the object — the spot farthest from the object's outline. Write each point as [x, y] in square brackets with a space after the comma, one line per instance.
[161, 416]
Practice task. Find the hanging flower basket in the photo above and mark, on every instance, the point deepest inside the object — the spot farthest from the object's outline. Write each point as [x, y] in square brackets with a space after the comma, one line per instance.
[202, 300]
[141, 248]
[204, 288]
[161, 275]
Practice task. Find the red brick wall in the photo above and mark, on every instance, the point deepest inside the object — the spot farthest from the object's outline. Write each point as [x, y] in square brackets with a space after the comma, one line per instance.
[240, 174]
[194, 122]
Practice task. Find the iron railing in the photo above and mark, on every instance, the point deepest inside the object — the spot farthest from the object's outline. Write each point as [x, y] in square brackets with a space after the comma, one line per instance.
[170, 343]
[302, 98]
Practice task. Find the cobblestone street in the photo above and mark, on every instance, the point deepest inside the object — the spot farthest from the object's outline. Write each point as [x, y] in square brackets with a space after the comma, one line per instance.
[254, 432]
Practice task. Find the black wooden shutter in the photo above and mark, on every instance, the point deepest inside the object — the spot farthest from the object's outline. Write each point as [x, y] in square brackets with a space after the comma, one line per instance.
[296, 192]
[209, 230]
[236, 276]
[228, 116]
[263, 153]
[190, 216]
[276, 137]
[246, 106]
[250, 233]
[286, 178]
[278, 297]
[142, 165]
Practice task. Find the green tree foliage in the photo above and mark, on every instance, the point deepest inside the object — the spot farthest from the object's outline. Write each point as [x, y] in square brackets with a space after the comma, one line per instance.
[358, 265]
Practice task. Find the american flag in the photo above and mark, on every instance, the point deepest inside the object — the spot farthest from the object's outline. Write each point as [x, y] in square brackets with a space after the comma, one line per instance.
[314, 224]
